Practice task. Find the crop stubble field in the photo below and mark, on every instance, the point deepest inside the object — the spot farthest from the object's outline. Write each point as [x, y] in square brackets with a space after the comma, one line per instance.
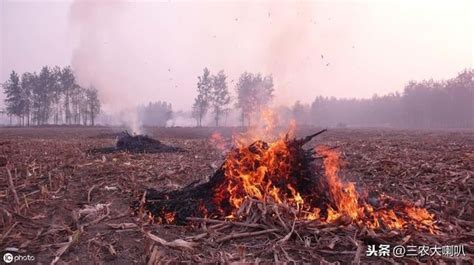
[58, 181]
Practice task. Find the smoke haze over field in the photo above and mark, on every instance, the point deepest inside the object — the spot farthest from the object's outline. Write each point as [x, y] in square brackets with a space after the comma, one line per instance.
[141, 51]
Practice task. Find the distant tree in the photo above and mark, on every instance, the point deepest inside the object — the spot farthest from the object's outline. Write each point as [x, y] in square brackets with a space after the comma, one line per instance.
[56, 92]
[78, 104]
[28, 83]
[155, 113]
[460, 91]
[93, 104]
[13, 100]
[202, 100]
[84, 114]
[423, 104]
[67, 81]
[319, 111]
[42, 95]
[220, 96]
[245, 98]
[51, 95]
[226, 112]
[300, 113]
[253, 92]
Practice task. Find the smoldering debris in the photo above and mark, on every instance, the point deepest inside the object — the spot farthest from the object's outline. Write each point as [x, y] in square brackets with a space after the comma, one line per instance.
[137, 143]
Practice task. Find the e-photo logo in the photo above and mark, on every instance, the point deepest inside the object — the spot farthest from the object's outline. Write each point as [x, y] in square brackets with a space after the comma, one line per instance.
[8, 257]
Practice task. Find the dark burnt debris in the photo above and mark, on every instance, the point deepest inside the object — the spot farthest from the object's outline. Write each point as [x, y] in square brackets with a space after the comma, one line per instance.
[137, 144]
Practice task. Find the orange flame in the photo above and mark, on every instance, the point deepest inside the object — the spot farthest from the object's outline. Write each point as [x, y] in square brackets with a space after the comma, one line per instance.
[347, 200]
[169, 217]
[217, 141]
[258, 171]
[265, 172]
[344, 194]
[253, 173]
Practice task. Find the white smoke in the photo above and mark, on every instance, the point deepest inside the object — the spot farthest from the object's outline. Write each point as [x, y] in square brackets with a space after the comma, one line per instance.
[137, 52]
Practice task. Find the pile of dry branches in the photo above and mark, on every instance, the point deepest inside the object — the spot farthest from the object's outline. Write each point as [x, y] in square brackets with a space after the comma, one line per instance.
[271, 232]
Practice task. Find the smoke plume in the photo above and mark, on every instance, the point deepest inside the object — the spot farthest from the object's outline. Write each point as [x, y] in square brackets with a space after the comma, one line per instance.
[135, 52]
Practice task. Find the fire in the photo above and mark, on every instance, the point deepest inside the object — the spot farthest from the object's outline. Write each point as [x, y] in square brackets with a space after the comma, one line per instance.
[259, 172]
[269, 120]
[344, 194]
[263, 172]
[264, 129]
[217, 141]
[283, 175]
[169, 217]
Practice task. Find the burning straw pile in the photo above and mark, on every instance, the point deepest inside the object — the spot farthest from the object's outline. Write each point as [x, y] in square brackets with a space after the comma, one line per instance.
[275, 192]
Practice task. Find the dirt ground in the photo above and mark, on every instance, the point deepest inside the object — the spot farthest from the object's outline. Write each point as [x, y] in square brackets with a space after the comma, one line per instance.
[55, 177]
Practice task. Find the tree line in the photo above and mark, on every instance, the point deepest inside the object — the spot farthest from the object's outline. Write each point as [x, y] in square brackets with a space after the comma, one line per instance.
[53, 96]
[253, 90]
[155, 113]
[423, 104]
[50, 96]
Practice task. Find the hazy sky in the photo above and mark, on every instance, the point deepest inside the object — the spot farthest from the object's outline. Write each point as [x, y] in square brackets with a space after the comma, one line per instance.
[139, 51]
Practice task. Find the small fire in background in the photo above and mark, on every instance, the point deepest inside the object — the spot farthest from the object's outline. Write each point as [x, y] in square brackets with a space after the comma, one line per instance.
[218, 141]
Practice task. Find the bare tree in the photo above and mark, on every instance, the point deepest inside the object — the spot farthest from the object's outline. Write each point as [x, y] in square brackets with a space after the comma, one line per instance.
[56, 92]
[42, 96]
[28, 82]
[202, 100]
[253, 92]
[93, 104]
[77, 103]
[68, 84]
[12, 89]
[220, 96]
